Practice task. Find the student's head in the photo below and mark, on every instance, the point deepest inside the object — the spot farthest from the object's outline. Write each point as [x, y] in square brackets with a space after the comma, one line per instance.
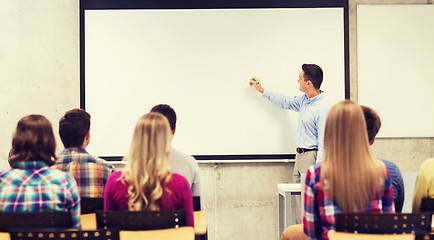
[348, 161]
[313, 73]
[373, 122]
[74, 127]
[168, 112]
[147, 170]
[345, 127]
[33, 140]
[152, 135]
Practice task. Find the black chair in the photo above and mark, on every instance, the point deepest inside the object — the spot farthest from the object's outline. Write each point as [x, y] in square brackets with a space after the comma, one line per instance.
[424, 236]
[91, 205]
[383, 223]
[197, 207]
[101, 234]
[33, 220]
[196, 203]
[140, 220]
[427, 205]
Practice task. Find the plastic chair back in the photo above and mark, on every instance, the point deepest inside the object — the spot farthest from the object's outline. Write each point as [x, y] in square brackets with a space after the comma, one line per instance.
[140, 220]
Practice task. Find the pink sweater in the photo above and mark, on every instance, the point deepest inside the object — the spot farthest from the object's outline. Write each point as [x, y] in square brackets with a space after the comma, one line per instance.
[116, 195]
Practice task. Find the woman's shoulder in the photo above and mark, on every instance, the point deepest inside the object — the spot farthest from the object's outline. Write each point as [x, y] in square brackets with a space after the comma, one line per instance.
[114, 177]
[178, 180]
[315, 169]
[56, 176]
[115, 174]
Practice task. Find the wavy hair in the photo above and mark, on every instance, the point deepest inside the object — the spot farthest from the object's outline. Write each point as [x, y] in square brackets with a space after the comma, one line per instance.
[147, 170]
[33, 140]
[350, 174]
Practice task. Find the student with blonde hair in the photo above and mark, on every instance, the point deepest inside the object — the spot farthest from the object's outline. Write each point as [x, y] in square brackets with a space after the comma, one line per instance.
[424, 186]
[350, 179]
[146, 183]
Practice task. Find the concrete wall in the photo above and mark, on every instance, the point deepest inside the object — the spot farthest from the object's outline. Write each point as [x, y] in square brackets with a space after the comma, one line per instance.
[39, 63]
[39, 73]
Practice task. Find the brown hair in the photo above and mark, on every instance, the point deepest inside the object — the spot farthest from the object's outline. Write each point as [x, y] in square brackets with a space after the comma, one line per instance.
[33, 140]
[313, 73]
[73, 127]
[348, 160]
[168, 112]
[373, 122]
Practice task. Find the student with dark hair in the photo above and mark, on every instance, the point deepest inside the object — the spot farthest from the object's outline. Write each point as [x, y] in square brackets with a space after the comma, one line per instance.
[373, 125]
[180, 162]
[313, 108]
[90, 172]
[31, 185]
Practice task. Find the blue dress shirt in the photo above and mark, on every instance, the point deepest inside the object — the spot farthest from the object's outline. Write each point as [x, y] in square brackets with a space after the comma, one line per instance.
[311, 120]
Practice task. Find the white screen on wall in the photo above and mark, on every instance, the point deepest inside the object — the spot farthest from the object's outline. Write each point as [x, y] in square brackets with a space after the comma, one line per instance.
[199, 62]
[395, 67]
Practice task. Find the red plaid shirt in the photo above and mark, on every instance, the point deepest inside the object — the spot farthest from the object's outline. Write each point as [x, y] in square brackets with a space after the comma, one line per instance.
[320, 210]
[91, 173]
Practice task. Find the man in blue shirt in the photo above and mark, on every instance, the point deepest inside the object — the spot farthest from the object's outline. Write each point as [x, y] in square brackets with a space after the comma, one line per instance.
[313, 109]
[373, 125]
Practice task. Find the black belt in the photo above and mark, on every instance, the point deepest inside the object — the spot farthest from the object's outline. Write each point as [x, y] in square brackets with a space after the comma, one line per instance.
[303, 150]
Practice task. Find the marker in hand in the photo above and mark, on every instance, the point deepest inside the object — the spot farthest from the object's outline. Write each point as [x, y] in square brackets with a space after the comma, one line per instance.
[253, 80]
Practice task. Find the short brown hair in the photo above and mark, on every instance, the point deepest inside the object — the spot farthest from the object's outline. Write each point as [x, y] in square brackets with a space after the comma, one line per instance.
[73, 127]
[313, 73]
[168, 112]
[33, 140]
[373, 122]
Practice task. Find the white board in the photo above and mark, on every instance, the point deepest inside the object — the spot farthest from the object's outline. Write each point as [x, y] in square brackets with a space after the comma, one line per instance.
[395, 67]
[199, 62]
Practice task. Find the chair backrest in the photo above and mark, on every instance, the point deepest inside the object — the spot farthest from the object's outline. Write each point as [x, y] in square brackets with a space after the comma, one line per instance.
[47, 220]
[140, 220]
[91, 205]
[427, 205]
[428, 236]
[386, 223]
[101, 234]
[196, 203]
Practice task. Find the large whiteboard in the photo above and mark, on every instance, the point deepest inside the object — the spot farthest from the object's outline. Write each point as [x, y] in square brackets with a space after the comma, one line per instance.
[199, 62]
[395, 67]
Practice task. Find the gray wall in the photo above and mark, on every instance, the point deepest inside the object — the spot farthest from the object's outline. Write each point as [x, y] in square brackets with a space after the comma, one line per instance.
[39, 72]
[39, 63]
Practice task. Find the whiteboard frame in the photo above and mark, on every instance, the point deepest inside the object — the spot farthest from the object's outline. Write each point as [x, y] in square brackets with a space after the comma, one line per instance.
[213, 4]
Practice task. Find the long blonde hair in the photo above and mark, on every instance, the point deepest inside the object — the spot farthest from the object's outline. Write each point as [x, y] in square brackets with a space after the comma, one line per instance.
[147, 169]
[350, 174]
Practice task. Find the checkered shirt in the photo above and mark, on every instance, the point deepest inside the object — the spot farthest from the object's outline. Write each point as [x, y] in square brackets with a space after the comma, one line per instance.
[33, 186]
[90, 172]
[320, 210]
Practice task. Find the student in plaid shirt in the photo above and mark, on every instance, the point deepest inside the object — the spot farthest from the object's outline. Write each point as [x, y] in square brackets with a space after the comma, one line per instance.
[350, 179]
[90, 172]
[31, 185]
